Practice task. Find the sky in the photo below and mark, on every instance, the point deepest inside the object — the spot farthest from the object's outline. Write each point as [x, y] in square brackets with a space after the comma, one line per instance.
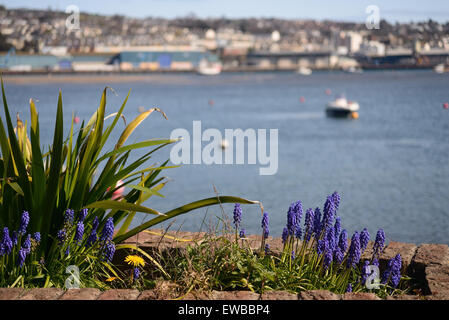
[341, 10]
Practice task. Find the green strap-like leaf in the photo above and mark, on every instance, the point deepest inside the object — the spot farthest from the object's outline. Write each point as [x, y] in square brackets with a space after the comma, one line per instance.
[122, 205]
[55, 167]
[17, 154]
[138, 145]
[37, 165]
[181, 210]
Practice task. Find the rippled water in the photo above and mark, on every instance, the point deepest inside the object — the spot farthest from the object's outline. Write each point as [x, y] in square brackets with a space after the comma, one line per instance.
[391, 166]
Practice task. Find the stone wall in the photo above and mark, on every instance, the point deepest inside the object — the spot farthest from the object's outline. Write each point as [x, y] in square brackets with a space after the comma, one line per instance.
[428, 264]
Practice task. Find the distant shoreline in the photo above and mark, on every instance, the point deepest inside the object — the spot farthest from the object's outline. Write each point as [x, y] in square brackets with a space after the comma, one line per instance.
[134, 76]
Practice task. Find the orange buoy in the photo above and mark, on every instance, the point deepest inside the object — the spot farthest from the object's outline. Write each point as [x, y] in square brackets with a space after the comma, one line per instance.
[302, 99]
[76, 119]
[354, 115]
[328, 91]
[446, 105]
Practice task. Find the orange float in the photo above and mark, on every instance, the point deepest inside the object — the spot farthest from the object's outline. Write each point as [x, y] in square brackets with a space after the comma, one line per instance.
[354, 115]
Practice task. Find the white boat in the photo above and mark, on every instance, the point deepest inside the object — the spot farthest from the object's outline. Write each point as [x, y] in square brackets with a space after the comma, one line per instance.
[342, 108]
[440, 68]
[353, 69]
[304, 71]
[208, 68]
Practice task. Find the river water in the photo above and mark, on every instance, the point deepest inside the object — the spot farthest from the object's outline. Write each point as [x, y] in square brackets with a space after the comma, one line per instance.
[391, 166]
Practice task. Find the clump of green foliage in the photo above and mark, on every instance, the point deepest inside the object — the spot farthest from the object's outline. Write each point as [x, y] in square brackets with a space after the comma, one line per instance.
[77, 173]
[227, 260]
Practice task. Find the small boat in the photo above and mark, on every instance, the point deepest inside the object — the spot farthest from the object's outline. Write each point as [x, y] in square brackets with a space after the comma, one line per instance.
[353, 69]
[342, 108]
[304, 71]
[224, 144]
[441, 68]
[208, 68]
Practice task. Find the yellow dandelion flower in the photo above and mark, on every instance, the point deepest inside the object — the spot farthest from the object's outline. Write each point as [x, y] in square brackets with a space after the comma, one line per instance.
[136, 261]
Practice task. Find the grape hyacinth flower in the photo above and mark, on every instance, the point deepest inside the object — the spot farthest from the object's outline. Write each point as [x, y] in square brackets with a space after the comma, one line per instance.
[336, 199]
[242, 233]
[396, 271]
[79, 232]
[343, 241]
[364, 239]
[338, 255]
[330, 238]
[14, 238]
[364, 272]
[327, 258]
[67, 251]
[6, 243]
[294, 215]
[265, 229]
[24, 220]
[136, 273]
[95, 224]
[21, 257]
[328, 213]
[317, 223]
[61, 236]
[108, 251]
[93, 234]
[37, 236]
[320, 246]
[27, 244]
[92, 238]
[82, 215]
[393, 271]
[337, 229]
[68, 217]
[284, 235]
[291, 219]
[298, 211]
[298, 232]
[237, 215]
[108, 230]
[267, 248]
[379, 243]
[349, 288]
[310, 215]
[354, 251]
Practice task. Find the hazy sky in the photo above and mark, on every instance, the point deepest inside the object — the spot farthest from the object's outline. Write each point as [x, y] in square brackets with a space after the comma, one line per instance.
[349, 10]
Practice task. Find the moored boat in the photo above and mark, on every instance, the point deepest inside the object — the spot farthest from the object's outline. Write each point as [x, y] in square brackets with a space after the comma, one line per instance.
[342, 108]
[441, 68]
[304, 71]
[353, 69]
[208, 68]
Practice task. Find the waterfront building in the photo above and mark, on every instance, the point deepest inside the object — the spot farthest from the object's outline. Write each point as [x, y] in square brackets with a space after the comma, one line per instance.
[161, 60]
